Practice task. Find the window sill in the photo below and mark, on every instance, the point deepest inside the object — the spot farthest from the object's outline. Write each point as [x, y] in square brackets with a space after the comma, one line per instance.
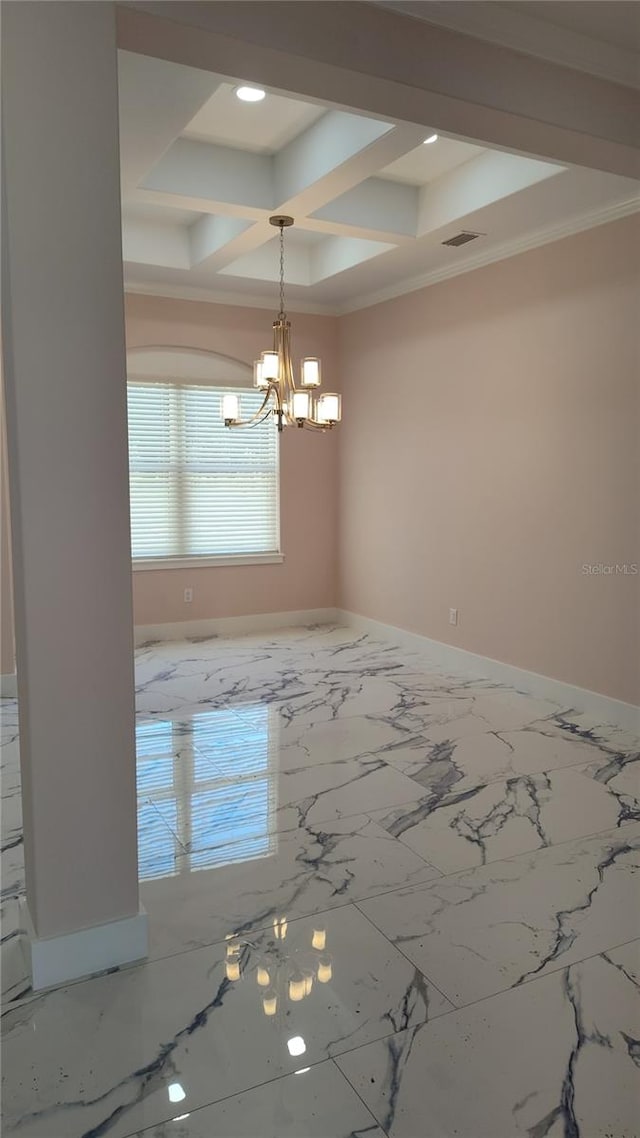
[207, 562]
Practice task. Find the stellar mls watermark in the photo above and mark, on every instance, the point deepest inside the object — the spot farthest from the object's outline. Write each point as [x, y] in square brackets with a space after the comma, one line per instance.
[611, 569]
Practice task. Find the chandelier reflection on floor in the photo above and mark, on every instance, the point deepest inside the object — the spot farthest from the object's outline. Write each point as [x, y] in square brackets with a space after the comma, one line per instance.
[281, 977]
[273, 374]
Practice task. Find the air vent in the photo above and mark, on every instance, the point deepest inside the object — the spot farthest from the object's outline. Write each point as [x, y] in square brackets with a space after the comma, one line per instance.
[462, 238]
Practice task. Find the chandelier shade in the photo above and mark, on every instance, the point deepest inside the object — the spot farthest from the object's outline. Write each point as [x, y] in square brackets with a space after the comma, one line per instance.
[329, 408]
[311, 372]
[301, 405]
[273, 373]
[230, 406]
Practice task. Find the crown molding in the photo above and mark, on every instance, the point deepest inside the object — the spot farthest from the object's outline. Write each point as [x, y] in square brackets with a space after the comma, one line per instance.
[499, 252]
[215, 296]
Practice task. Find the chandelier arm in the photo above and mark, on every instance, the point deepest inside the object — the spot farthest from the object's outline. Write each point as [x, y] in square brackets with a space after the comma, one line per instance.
[253, 422]
[282, 346]
[272, 389]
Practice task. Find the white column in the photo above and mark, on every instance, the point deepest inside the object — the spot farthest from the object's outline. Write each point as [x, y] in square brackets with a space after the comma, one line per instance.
[7, 651]
[64, 370]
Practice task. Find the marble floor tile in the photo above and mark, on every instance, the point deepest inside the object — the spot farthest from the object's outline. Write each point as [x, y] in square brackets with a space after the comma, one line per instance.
[588, 726]
[505, 709]
[315, 1102]
[307, 680]
[189, 693]
[15, 967]
[459, 757]
[215, 673]
[241, 741]
[244, 885]
[500, 819]
[295, 745]
[479, 932]
[331, 695]
[12, 869]
[326, 792]
[557, 1058]
[284, 800]
[391, 690]
[323, 798]
[448, 706]
[9, 749]
[10, 818]
[8, 719]
[11, 846]
[119, 1053]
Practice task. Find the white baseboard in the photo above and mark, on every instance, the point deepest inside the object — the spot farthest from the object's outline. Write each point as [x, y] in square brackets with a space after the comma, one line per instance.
[60, 959]
[232, 625]
[9, 685]
[603, 707]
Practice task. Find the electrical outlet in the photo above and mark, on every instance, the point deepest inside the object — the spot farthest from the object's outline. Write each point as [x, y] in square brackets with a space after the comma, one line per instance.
[453, 616]
[188, 596]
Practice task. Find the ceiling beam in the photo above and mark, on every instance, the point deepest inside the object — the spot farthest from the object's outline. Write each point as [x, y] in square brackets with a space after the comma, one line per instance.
[326, 145]
[386, 142]
[330, 158]
[389, 64]
[235, 245]
[513, 27]
[143, 196]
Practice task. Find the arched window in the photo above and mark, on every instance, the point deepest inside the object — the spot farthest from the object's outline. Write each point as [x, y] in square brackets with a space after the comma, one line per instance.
[200, 493]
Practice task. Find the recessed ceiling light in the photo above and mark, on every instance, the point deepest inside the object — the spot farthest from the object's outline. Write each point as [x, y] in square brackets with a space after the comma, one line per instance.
[250, 94]
[431, 138]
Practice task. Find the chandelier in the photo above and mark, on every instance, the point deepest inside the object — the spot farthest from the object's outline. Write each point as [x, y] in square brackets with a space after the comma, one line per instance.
[273, 374]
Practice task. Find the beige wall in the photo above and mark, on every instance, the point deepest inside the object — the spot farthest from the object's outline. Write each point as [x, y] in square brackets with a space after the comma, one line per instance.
[308, 473]
[490, 449]
[517, 463]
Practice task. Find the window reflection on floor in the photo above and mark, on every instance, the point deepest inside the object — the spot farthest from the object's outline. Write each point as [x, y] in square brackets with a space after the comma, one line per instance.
[206, 791]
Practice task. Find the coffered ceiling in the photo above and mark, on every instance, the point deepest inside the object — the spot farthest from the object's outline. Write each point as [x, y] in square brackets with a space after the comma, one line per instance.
[202, 172]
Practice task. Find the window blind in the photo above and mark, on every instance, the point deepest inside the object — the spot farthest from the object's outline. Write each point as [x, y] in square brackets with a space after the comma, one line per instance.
[197, 488]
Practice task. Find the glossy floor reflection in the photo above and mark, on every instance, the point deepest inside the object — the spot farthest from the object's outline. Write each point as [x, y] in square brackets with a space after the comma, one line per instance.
[382, 899]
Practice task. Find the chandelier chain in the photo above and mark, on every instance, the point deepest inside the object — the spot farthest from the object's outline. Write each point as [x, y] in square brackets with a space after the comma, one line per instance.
[282, 314]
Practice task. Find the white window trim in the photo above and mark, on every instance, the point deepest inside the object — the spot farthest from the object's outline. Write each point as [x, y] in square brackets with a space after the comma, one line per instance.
[206, 562]
[143, 366]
